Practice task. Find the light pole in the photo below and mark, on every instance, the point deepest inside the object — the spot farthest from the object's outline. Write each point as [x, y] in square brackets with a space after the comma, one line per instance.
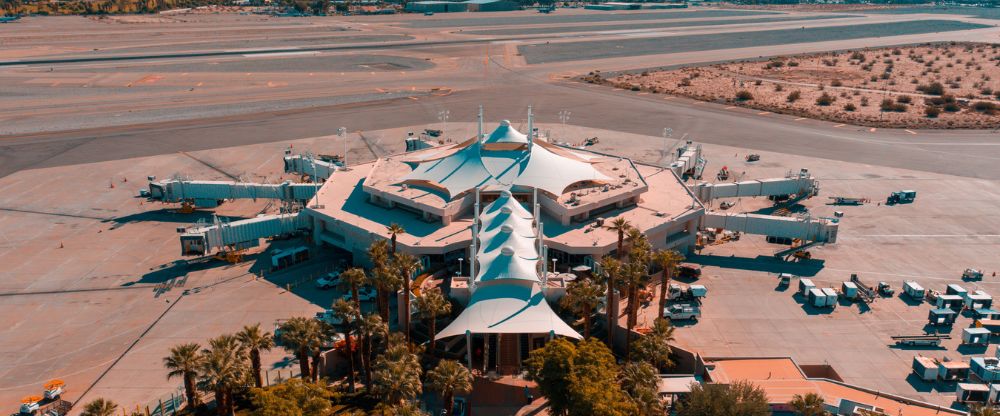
[564, 116]
[459, 273]
[443, 118]
[554, 272]
[667, 134]
[342, 132]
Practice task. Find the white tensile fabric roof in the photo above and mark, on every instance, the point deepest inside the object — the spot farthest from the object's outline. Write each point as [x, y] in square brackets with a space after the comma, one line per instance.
[534, 166]
[507, 297]
[509, 308]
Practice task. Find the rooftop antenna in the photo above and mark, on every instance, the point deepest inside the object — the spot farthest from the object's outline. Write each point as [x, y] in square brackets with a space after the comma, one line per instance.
[531, 129]
[479, 137]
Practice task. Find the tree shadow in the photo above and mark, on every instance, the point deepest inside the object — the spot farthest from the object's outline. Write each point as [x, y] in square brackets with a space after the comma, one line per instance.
[762, 263]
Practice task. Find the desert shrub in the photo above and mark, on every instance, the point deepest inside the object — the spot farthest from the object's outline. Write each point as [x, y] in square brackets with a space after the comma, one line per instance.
[849, 107]
[793, 63]
[864, 101]
[889, 105]
[934, 88]
[858, 56]
[635, 88]
[986, 91]
[777, 64]
[793, 96]
[951, 107]
[904, 99]
[885, 75]
[778, 87]
[836, 83]
[996, 94]
[744, 95]
[986, 107]
[897, 52]
[932, 112]
[825, 99]
[685, 82]
[874, 78]
[758, 82]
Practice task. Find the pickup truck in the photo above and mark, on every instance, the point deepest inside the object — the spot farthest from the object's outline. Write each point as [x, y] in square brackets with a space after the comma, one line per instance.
[682, 312]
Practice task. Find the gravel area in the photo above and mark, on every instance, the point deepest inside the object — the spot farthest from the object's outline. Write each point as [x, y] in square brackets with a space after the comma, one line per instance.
[577, 51]
[662, 25]
[598, 16]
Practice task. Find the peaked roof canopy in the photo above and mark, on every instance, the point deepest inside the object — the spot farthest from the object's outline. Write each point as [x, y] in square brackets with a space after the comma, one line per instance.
[534, 165]
[510, 308]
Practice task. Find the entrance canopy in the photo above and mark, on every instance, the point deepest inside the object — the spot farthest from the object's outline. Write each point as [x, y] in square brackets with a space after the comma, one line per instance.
[515, 307]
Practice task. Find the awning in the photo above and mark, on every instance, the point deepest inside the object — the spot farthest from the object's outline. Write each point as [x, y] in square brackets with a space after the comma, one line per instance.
[508, 308]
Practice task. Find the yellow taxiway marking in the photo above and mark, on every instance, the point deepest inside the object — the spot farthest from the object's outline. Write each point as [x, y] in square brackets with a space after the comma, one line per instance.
[872, 129]
[643, 93]
[413, 98]
[763, 113]
[840, 125]
[731, 107]
[910, 131]
[799, 119]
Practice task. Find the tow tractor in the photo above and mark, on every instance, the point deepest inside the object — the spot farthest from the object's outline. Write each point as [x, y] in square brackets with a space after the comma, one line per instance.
[54, 389]
[723, 174]
[972, 274]
[901, 197]
[753, 157]
[884, 289]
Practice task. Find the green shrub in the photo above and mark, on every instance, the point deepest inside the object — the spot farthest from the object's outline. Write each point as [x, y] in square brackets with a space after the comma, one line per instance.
[932, 112]
[825, 99]
[744, 95]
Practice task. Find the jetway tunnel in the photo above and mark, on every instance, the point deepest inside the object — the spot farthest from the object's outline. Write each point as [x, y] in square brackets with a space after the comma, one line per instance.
[813, 230]
[801, 184]
[240, 234]
[210, 194]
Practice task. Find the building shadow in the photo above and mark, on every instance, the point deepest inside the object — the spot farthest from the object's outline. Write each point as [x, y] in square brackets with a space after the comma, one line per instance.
[919, 385]
[168, 272]
[966, 349]
[168, 215]
[762, 263]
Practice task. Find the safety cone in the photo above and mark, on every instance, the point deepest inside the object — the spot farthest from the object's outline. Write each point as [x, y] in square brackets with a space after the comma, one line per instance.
[60, 244]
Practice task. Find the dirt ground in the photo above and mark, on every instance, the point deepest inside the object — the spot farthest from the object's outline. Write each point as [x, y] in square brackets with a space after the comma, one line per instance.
[806, 7]
[929, 86]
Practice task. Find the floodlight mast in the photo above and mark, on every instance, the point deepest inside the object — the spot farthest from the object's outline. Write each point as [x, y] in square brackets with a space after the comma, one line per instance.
[531, 129]
[479, 135]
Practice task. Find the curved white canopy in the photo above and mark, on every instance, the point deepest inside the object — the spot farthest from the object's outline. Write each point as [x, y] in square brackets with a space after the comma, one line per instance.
[532, 166]
[510, 308]
[506, 134]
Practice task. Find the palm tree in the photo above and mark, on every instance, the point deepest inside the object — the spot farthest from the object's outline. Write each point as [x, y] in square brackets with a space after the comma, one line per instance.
[394, 230]
[352, 279]
[431, 305]
[809, 405]
[582, 296]
[668, 260]
[370, 326]
[407, 265]
[184, 361]
[348, 311]
[223, 369]
[621, 226]
[325, 334]
[639, 381]
[654, 347]
[386, 280]
[610, 271]
[100, 407]
[254, 340]
[636, 276]
[396, 375]
[450, 377]
[979, 410]
[298, 335]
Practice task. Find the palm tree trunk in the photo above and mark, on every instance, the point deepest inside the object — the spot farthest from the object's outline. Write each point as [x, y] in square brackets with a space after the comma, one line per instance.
[304, 363]
[315, 365]
[628, 320]
[394, 245]
[255, 363]
[406, 305]
[189, 390]
[220, 401]
[365, 367]
[350, 358]
[433, 326]
[586, 323]
[665, 281]
[610, 314]
[449, 402]
[230, 403]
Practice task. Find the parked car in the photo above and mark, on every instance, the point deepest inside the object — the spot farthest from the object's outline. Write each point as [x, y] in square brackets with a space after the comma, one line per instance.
[330, 317]
[681, 312]
[365, 294]
[328, 281]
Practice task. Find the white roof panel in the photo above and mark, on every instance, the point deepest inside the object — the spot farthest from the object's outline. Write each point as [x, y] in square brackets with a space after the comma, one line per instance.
[511, 308]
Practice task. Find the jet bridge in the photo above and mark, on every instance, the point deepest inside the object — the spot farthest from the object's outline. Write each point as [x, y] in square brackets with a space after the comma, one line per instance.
[801, 184]
[210, 194]
[689, 161]
[315, 168]
[240, 234]
[815, 230]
